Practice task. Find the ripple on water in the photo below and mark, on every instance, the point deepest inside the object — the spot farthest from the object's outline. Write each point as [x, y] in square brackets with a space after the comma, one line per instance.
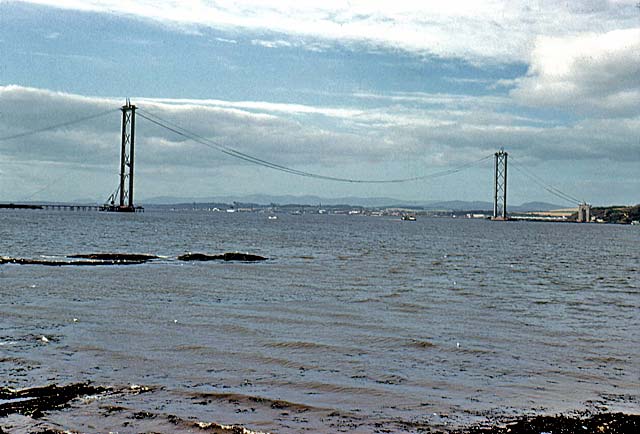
[355, 314]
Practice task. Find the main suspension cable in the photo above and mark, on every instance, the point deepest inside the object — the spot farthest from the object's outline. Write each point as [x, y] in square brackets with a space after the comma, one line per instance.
[176, 129]
[549, 188]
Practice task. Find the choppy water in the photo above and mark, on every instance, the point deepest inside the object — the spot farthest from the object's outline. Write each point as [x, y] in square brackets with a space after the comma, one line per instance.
[355, 323]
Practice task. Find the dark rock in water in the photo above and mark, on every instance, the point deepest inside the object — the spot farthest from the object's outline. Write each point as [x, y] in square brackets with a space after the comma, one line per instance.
[24, 261]
[143, 415]
[33, 402]
[196, 257]
[128, 259]
[605, 423]
[115, 256]
[234, 256]
[242, 257]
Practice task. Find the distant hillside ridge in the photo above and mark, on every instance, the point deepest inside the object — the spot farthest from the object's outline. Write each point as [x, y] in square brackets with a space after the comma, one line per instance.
[616, 214]
[374, 202]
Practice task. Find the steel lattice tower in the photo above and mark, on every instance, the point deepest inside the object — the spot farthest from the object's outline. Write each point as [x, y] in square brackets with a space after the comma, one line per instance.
[500, 186]
[127, 157]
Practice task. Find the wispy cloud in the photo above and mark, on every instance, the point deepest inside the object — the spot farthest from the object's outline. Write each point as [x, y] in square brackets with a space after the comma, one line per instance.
[79, 58]
[496, 31]
[264, 107]
[483, 81]
[272, 44]
[227, 41]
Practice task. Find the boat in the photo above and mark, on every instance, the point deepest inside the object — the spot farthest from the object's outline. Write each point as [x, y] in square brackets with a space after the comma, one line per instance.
[410, 218]
[273, 217]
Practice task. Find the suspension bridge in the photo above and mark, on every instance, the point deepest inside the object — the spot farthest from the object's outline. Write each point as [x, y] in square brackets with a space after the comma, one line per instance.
[122, 199]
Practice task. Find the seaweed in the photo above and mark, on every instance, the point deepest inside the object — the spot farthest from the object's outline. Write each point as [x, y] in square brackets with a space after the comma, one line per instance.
[35, 401]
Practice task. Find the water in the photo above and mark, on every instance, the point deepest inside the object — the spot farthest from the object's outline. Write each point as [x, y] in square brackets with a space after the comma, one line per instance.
[354, 324]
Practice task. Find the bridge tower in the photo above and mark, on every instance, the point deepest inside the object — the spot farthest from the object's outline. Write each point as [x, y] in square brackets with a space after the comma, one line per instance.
[127, 149]
[500, 186]
[127, 157]
[584, 213]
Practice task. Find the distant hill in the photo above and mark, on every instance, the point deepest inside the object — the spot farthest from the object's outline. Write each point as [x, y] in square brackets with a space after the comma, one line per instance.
[263, 199]
[455, 205]
[459, 205]
[538, 206]
[617, 214]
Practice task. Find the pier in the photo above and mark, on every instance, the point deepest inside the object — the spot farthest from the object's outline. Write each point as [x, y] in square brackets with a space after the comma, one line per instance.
[59, 207]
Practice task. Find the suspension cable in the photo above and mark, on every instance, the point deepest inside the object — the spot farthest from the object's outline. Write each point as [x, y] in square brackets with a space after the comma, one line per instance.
[549, 188]
[56, 126]
[176, 129]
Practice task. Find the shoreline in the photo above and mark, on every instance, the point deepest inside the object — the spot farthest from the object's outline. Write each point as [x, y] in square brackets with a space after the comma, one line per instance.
[38, 410]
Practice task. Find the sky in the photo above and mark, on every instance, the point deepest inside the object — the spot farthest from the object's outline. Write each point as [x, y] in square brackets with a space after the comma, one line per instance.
[362, 89]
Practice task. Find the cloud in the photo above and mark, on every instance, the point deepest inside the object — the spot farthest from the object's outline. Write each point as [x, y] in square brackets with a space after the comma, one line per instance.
[462, 127]
[596, 73]
[425, 135]
[272, 44]
[226, 40]
[495, 31]
[266, 130]
[263, 107]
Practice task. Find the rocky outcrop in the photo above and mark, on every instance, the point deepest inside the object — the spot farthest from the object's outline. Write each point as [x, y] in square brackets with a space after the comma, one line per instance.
[605, 423]
[233, 256]
[92, 259]
[115, 256]
[55, 263]
[34, 401]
